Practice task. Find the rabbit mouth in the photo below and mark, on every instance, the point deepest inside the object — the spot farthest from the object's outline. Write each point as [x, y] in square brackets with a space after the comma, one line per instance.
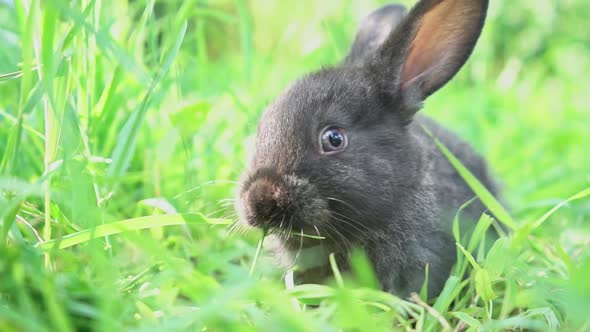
[285, 204]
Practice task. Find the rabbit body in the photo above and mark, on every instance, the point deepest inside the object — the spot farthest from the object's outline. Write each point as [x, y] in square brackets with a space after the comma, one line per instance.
[342, 154]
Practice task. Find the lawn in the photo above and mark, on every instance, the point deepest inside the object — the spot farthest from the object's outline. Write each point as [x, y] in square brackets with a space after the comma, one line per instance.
[125, 126]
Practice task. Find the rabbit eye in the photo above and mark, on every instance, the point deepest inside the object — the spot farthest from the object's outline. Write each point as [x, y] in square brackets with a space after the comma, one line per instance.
[333, 139]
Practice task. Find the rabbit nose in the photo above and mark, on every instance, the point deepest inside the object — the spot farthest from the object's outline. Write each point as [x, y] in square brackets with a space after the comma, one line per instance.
[264, 207]
[263, 200]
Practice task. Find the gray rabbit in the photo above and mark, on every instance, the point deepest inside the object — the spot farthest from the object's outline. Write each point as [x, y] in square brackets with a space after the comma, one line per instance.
[342, 154]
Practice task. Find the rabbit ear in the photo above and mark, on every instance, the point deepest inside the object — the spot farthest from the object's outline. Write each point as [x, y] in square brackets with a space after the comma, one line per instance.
[430, 45]
[373, 31]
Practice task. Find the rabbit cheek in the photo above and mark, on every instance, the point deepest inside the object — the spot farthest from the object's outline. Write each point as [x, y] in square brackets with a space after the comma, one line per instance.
[308, 209]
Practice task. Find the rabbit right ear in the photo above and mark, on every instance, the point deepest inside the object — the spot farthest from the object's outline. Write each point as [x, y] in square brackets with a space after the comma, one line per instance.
[429, 46]
[373, 31]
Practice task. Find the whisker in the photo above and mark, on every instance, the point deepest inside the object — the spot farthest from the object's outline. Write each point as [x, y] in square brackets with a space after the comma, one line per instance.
[354, 221]
[222, 210]
[342, 242]
[360, 238]
[300, 246]
[290, 228]
[317, 230]
[345, 203]
[356, 224]
[235, 227]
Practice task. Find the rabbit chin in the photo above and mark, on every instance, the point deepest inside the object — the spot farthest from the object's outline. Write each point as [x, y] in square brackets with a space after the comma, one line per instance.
[292, 204]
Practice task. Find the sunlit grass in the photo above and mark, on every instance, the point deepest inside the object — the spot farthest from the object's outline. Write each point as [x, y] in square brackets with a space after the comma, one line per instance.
[124, 127]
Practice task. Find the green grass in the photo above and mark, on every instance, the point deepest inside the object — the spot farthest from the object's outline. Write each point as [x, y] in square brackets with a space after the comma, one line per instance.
[117, 116]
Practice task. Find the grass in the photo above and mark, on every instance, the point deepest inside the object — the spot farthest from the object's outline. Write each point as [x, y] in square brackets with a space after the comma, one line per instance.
[117, 116]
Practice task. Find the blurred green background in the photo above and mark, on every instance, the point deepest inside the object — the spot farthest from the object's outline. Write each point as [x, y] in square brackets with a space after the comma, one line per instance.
[112, 110]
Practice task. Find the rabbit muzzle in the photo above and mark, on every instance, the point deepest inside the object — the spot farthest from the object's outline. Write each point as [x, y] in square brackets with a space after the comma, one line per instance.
[270, 200]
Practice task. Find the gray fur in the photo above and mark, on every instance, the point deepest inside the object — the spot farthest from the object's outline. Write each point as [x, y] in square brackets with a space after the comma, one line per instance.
[391, 191]
[372, 32]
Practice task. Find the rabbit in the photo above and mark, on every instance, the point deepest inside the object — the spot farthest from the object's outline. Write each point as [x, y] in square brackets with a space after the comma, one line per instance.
[343, 155]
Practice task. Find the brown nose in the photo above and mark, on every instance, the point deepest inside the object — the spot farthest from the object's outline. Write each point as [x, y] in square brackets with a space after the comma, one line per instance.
[263, 200]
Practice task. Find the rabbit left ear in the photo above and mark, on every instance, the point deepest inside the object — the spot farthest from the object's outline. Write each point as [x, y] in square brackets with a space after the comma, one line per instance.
[373, 31]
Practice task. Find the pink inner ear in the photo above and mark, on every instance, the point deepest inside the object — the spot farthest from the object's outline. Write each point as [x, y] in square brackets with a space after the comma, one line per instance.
[440, 36]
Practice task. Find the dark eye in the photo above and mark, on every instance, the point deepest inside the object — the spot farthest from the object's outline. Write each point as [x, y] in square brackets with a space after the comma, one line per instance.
[333, 139]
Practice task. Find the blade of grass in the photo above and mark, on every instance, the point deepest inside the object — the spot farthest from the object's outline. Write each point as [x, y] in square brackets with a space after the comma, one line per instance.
[257, 254]
[522, 235]
[31, 130]
[480, 190]
[479, 233]
[46, 57]
[9, 158]
[129, 225]
[127, 139]
[14, 316]
[460, 264]
[456, 223]
[467, 319]
[308, 236]
[136, 39]
[311, 293]
[433, 313]
[469, 257]
[540, 221]
[75, 29]
[483, 283]
[246, 37]
[424, 289]
[336, 270]
[214, 13]
[104, 40]
[56, 310]
[443, 302]
[106, 110]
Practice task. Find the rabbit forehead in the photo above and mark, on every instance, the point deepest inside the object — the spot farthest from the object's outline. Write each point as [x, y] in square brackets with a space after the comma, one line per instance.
[330, 96]
[290, 126]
